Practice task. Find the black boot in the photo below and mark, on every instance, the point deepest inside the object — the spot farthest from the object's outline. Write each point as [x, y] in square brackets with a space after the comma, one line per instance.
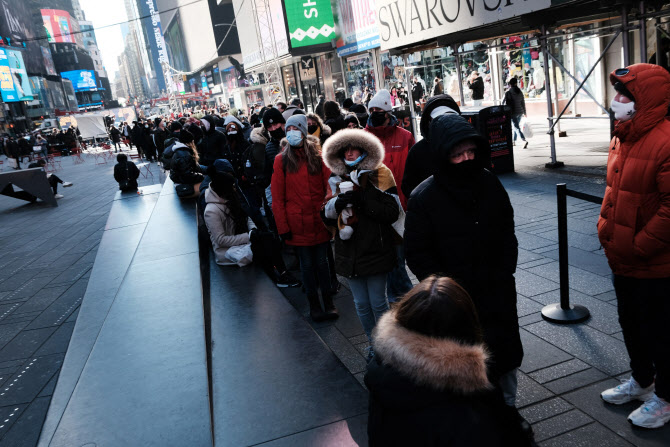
[331, 310]
[315, 312]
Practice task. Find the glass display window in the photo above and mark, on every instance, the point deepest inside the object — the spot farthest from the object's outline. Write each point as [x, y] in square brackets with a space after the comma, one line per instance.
[359, 76]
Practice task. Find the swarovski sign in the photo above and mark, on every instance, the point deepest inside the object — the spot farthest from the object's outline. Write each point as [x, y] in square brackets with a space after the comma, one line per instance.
[404, 22]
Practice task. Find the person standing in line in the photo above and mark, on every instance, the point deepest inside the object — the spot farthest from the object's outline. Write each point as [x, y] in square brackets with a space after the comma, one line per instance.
[397, 142]
[515, 100]
[422, 162]
[428, 381]
[363, 208]
[634, 230]
[460, 223]
[299, 186]
[476, 84]
[437, 87]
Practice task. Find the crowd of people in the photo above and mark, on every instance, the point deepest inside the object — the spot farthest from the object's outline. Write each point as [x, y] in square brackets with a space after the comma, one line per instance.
[351, 193]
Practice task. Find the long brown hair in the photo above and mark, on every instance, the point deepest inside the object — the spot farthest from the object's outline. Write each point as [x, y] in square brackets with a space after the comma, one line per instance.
[440, 307]
[312, 155]
[193, 147]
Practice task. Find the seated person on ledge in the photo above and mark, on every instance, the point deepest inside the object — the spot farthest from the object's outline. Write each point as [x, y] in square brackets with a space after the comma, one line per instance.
[229, 226]
[53, 179]
[126, 173]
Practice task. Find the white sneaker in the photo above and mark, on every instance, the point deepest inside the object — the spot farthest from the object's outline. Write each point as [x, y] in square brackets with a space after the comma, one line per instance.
[654, 413]
[58, 196]
[629, 390]
[66, 184]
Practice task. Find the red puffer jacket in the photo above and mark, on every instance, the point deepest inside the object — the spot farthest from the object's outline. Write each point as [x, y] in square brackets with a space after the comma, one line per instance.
[397, 143]
[634, 224]
[297, 198]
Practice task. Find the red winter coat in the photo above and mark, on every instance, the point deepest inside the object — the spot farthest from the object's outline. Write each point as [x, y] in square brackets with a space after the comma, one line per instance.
[634, 224]
[297, 199]
[397, 143]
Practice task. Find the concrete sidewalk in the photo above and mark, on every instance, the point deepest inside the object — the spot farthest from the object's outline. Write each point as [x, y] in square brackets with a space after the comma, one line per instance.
[46, 255]
[565, 367]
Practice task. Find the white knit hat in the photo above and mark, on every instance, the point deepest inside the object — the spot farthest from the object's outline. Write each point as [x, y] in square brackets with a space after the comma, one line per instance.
[382, 100]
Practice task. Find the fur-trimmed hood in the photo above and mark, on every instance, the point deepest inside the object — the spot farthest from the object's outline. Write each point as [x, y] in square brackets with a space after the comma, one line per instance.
[440, 364]
[258, 136]
[332, 150]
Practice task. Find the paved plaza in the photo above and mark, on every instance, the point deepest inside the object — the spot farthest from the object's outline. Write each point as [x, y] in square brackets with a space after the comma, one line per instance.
[47, 254]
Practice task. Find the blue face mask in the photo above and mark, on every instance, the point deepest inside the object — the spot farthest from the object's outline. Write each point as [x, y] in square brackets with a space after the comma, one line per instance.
[294, 137]
[358, 160]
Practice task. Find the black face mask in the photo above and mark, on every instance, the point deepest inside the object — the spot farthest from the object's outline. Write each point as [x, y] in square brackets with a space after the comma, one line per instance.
[278, 134]
[312, 129]
[377, 118]
[464, 172]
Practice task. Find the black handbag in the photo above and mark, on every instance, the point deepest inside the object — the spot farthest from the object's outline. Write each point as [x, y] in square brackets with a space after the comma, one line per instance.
[184, 190]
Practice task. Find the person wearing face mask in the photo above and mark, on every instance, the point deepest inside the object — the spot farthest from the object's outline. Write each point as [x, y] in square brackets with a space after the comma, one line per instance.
[634, 230]
[213, 143]
[299, 186]
[334, 118]
[317, 128]
[364, 210]
[474, 243]
[148, 145]
[422, 162]
[397, 142]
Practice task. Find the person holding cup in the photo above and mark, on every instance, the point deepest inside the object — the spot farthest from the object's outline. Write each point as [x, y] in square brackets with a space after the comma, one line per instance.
[362, 188]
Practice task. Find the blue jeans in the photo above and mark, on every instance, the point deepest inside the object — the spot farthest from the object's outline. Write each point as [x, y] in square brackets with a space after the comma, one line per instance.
[397, 280]
[515, 120]
[369, 299]
[313, 264]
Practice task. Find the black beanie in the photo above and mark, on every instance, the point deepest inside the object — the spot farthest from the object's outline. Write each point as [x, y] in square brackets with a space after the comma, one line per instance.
[348, 103]
[352, 118]
[221, 182]
[273, 116]
[186, 137]
[175, 126]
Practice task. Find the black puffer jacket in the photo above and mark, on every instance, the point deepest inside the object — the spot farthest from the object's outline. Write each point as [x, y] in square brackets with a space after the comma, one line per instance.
[183, 168]
[421, 162]
[463, 227]
[427, 391]
[213, 144]
[271, 151]
[255, 170]
[477, 87]
[370, 250]
[336, 123]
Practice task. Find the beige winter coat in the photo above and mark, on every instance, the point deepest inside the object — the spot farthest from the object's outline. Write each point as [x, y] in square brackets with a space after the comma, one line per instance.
[221, 227]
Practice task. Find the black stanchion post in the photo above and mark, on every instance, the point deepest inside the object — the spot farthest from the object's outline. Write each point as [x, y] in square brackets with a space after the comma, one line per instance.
[563, 312]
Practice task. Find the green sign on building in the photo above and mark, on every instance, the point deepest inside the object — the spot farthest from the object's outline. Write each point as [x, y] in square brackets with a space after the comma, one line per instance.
[310, 22]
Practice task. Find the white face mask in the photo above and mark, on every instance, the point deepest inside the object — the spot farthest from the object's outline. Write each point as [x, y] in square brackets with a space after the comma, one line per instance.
[623, 112]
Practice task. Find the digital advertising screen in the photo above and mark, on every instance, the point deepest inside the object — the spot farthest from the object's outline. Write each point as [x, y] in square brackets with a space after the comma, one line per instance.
[14, 81]
[58, 25]
[82, 80]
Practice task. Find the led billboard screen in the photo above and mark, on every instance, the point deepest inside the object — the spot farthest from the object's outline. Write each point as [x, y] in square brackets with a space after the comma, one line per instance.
[82, 80]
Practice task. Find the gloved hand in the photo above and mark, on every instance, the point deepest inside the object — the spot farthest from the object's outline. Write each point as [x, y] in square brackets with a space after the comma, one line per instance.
[286, 236]
[352, 198]
[253, 235]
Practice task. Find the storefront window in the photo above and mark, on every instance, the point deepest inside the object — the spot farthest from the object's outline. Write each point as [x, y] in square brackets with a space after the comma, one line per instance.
[288, 74]
[523, 61]
[254, 97]
[360, 75]
[427, 65]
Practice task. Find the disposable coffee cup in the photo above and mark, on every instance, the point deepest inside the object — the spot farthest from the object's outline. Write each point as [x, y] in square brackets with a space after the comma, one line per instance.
[346, 187]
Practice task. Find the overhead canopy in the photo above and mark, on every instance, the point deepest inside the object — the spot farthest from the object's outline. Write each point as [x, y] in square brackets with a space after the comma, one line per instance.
[90, 125]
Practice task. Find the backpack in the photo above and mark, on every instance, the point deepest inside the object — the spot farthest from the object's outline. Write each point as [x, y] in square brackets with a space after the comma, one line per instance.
[168, 153]
[254, 164]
